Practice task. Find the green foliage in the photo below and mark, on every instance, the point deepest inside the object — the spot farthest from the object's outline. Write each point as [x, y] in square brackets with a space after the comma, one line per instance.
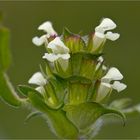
[5, 56]
[57, 120]
[84, 115]
[7, 92]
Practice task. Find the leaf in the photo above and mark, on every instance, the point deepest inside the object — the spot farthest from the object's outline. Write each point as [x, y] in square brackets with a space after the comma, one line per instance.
[85, 115]
[25, 90]
[7, 92]
[5, 56]
[56, 119]
[59, 87]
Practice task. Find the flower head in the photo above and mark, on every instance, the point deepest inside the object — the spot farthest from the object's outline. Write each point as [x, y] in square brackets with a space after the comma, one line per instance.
[100, 36]
[59, 50]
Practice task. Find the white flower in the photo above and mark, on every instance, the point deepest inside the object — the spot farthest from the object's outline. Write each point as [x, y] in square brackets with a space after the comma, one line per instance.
[113, 75]
[37, 79]
[106, 87]
[100, 36]
[47, 27]
[59, 50]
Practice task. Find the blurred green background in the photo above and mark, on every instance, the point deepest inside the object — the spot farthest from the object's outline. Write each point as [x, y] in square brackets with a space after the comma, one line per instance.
[23, 18]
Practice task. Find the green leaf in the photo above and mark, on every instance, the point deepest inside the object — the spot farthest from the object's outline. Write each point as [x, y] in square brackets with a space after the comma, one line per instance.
[85, 115]
[7, 92]
[56, 119]
[25, 90]
[5, 56]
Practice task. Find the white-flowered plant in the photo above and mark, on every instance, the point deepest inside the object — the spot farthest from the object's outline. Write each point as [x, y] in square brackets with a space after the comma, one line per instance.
[72, 91]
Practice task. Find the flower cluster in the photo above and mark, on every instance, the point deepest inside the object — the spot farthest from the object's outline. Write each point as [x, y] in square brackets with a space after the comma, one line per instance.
[74, 88]
[59, 51]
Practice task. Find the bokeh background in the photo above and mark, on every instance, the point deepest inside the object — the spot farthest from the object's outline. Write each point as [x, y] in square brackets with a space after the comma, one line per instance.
[23, 18]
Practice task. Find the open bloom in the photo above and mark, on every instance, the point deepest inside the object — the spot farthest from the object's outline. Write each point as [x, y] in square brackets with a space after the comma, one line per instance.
[106, 86]
[100, 32]
[46, 27]
[59, 50]
[39, 80]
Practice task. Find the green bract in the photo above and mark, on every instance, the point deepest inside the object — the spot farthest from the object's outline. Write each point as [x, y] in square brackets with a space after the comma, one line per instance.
[74, 86]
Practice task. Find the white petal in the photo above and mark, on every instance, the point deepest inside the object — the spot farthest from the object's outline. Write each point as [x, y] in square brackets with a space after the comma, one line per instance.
[112, 36]
[53, 57]
[98, 39]
[58, 46]
[47, 27]
[112, 74]
[118, 86]
[38, 41]
[50, 57]
[40, 89]
[105, 25]
[103, 91]
[100, 35]
[64, 56]
[37, 79]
